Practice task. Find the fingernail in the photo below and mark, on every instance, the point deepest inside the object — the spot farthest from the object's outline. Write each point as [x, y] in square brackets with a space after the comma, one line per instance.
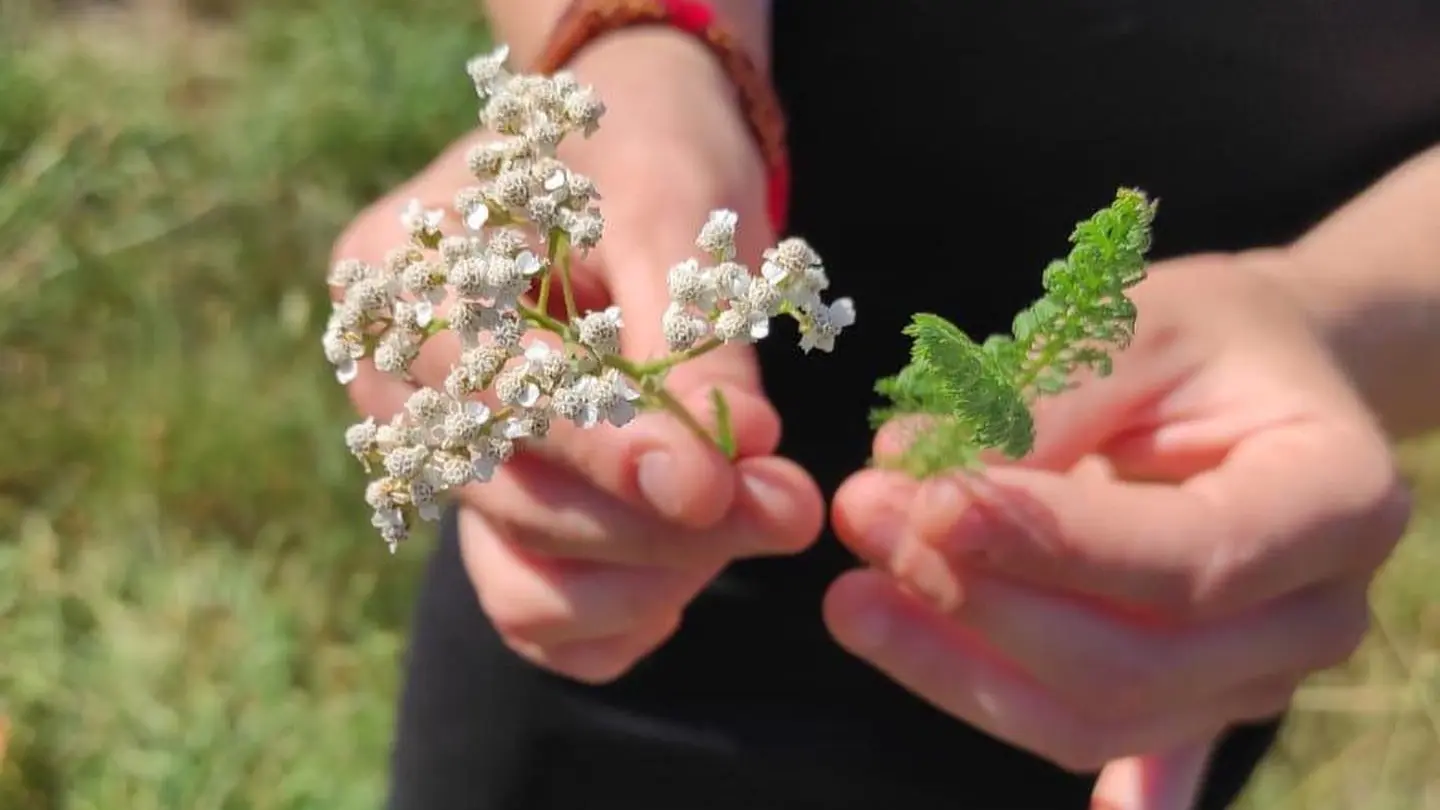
[922, 570]
[775, 502]
[938, 504]
[887, 534]
[946, 516]
[655, 475]
[870, 630]
[592, 661]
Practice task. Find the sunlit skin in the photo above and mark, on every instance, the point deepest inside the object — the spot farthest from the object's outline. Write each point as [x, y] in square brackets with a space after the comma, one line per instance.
[1192, 536]
[1061, 604]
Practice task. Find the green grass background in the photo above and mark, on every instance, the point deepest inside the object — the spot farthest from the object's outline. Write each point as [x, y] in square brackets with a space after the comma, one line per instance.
[193, 611]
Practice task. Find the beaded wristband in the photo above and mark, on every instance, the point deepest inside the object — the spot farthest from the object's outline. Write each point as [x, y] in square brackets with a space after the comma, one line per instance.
[586, 20]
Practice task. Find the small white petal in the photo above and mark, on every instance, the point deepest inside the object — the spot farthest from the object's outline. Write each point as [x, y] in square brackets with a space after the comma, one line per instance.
[724, 218]
[528, 263]
[347, 371]
[478, 216]
[589, 417]
[412, 214]
[529, 396]
[386, 517]
[622, 414]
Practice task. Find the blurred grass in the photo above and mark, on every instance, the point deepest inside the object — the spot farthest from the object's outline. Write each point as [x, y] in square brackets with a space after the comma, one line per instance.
[193, 614]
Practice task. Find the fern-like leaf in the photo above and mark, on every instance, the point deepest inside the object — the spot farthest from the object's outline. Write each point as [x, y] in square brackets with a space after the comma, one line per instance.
[976, 388]
[977, 397]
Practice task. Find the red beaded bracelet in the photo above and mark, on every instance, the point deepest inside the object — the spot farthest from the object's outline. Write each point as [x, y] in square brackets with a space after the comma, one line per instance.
[586, 20]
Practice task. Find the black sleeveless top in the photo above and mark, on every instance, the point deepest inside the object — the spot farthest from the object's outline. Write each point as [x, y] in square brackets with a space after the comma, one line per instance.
[942, 151]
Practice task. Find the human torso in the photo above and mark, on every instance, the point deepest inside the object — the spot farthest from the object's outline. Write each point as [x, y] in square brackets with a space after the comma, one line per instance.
[942, 151]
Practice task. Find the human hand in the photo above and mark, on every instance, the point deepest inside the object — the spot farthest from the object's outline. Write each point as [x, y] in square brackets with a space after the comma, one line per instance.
[585, 549]
[1191, 537]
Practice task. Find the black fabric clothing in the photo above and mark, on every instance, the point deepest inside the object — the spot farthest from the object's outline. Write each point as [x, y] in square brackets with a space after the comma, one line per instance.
[942, 152]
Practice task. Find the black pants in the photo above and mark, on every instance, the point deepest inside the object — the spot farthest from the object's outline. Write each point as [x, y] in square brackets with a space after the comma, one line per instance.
[481, 730]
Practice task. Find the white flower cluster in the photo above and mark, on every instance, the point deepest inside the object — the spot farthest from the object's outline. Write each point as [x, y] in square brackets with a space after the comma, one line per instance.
[521, 179]
[475, 284]
[725, 302]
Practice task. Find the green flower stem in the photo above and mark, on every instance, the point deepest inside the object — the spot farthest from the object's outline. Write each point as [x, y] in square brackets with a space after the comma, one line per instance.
[559, 249]
[1035, 363]
[541, 319]
[641, 374]
[666, 363]
[667, 400]
[542, 301]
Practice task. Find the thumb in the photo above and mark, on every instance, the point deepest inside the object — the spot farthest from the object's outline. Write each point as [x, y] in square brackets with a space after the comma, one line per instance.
[1169, 781]
[682, 477]
[1079, 422]
[637, 274]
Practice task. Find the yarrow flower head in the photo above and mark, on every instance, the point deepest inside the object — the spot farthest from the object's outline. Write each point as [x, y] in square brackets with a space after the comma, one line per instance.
[476, 272]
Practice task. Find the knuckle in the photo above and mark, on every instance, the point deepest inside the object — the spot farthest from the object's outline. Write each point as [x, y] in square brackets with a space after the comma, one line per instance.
[1077, 749]
[1391, 509]
[591, 669]
[1338, 641]
[1264, 705]
[516, 621]
[592, 663]
[349, 244]
[1121, 685]
[1108, 692]
[1379, 502]
[363, 235]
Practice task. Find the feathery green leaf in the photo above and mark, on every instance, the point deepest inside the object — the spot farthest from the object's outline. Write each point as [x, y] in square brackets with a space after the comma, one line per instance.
[977, 396]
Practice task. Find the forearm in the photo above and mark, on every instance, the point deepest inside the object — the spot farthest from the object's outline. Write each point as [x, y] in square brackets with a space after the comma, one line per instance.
[525, 24]
[1371, 275]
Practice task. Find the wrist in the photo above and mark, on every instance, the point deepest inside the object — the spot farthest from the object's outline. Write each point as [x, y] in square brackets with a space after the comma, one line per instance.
[668, 103]
[643, 58]
[1382, 336]
[622, 32]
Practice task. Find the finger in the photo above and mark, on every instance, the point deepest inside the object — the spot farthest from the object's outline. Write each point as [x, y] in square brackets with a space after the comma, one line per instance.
[951, 668]
[371, 236]
[659, 464]
[681, 475]
[1104, 664]
[636, 272]
[1102, 661]
[378, 395]
[545, 601]
[379, 231]
[656, 461]
[1290, 507]
[871, 515]
[603, 660]
[1167, 781]
[901, 433]
[368, 237]
[554, 512]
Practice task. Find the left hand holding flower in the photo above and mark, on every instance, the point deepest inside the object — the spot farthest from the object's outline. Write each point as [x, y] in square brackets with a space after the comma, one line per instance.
[1191, 537]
